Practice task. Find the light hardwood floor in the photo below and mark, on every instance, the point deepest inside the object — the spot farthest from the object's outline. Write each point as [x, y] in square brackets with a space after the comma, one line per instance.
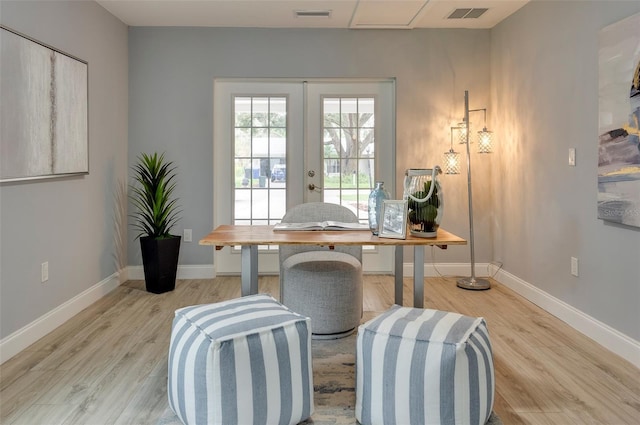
[107, 365]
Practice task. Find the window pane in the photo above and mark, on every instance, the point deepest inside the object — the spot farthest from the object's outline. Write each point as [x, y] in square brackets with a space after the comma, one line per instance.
[260, 112]
[331, 111]
[350, 142]
[345, 139]
[366, 111]
[332, 196]
[278, 112]
[349, 112]
[331, 143]
[242, 111]
[365, 139]
[259, 204]
[242, 205]
[363, 203]
[259, 142]
[242, 172]
[242, 142]
[277, 202]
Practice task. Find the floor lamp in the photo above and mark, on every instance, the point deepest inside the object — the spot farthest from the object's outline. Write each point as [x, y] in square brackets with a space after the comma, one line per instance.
[452, 161]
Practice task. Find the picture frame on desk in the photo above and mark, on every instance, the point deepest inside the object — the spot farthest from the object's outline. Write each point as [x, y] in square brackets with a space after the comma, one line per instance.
[394, 219]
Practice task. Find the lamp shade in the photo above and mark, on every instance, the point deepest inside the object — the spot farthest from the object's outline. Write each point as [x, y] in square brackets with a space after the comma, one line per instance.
[462, 132]
[451, 162]
[485, 139]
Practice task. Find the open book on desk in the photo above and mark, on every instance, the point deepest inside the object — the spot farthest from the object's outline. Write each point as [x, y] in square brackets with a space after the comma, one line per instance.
[321, 225]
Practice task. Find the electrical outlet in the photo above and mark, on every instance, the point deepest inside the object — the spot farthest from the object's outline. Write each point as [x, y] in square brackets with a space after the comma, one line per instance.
[574, 266]
[572, 157]
[187, 235]
[44, 271]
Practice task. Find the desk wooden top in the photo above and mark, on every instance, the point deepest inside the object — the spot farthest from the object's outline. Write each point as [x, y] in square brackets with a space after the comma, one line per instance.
[230, 235]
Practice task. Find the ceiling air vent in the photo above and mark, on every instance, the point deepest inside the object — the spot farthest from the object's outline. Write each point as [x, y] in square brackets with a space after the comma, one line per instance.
[467, 13]
[312, 13]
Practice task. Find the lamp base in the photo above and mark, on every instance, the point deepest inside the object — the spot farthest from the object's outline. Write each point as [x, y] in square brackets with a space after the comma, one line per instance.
[474, 284]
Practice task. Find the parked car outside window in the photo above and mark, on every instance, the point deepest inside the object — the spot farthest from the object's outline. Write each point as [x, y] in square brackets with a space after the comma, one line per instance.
[279, 172]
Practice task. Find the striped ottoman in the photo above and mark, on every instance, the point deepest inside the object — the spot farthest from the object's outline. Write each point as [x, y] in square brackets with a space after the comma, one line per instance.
[242, 361]
[418, 366]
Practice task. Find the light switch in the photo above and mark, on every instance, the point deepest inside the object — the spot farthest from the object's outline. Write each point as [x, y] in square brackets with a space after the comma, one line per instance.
[572, 157]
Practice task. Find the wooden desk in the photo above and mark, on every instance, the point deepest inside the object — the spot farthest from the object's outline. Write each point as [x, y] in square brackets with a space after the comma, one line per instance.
[249, 237]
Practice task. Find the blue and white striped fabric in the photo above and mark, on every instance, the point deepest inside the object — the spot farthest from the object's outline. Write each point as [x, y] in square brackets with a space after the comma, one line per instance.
[417, 366]
[244, 361]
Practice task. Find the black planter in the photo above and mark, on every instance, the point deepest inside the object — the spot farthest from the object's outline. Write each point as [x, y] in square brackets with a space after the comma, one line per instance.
[160, 260]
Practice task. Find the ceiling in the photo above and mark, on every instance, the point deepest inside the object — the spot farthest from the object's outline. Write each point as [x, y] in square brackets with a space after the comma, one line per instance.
[354, 14]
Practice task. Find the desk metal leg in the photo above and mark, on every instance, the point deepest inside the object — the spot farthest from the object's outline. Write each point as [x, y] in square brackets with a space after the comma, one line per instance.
[418, 276]
[398, 271]
[249, 271]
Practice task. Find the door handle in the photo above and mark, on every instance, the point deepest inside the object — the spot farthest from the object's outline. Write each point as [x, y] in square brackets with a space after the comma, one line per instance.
[313, 187]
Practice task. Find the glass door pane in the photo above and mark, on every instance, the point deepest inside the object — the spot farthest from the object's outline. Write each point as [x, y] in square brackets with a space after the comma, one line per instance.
[349, 154]
[260, 158]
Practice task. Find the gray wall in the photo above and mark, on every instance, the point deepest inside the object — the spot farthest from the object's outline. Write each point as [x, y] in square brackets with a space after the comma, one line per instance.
[171, 96]
[68, 222]
[545, 97]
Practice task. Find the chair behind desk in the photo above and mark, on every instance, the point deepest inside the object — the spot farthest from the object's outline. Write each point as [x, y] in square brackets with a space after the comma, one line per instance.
[323, 284]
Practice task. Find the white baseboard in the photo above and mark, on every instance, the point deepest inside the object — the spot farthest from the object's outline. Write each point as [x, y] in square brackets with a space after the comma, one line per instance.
[603, 334]
[205, 271]
[24, 337]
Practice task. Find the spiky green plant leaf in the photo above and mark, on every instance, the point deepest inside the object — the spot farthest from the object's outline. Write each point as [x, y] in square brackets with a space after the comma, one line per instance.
[156, 210]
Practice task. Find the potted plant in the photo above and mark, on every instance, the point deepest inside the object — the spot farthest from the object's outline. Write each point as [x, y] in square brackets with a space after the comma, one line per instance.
[425, 202]
[156, 212]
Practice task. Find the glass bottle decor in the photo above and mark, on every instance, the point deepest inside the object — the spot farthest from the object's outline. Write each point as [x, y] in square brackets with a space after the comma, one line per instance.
[376, 197]
[425, 203]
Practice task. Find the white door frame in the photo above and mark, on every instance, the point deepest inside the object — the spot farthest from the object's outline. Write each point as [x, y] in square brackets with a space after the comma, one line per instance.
[229, 260]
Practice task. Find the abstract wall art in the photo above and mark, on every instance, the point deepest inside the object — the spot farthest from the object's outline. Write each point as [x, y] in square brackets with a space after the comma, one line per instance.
[43, 110]
[619, 119]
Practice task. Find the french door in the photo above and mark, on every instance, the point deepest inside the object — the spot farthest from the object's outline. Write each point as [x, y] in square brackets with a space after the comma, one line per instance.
[278, 143]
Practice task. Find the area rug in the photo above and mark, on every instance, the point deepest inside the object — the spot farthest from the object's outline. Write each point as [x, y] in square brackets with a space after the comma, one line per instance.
[334, 385]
